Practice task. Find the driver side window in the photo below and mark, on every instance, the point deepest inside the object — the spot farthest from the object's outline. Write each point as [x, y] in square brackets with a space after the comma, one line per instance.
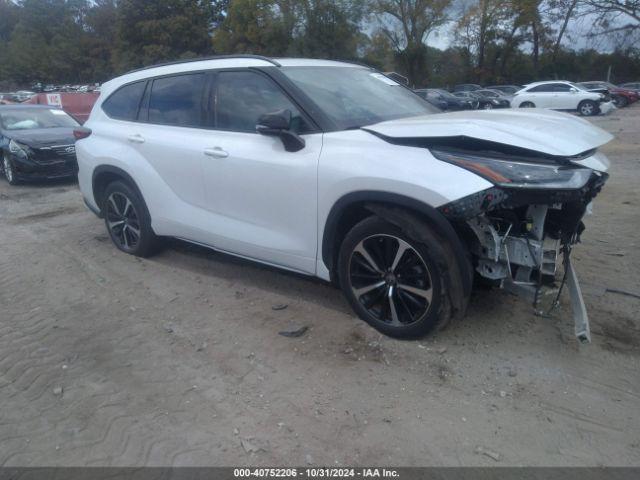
[243, 97]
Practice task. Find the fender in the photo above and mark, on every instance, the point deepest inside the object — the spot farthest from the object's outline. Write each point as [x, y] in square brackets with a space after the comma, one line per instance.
[101, 169]
[435, 218]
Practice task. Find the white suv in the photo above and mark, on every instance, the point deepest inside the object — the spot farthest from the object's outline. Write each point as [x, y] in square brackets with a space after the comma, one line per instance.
[562, 95]
[334, 170]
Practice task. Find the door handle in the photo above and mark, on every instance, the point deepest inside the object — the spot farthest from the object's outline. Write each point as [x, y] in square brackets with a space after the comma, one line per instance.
[216, 152]
[136, 138]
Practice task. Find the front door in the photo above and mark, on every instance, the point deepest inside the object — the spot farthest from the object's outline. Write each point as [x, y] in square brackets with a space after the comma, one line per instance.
[263, 198]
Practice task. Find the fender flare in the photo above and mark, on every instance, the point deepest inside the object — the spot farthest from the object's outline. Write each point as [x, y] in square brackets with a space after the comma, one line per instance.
[100, 169]
[433, 216]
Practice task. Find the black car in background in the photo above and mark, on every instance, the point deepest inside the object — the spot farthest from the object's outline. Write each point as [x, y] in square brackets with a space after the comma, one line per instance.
[445, 100]
[36, 142]
[494, 98]
[506, 89]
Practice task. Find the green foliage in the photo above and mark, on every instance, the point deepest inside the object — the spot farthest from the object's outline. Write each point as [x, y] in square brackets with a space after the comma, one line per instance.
[514, 41]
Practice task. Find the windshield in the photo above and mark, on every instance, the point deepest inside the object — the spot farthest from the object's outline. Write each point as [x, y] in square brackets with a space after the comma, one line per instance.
[355, 97]
[32, 118]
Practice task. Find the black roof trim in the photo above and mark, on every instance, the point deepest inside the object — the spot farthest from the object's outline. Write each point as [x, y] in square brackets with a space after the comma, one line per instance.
[202, 59]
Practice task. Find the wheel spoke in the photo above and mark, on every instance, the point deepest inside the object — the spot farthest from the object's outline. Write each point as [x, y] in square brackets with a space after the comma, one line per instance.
[402, 248]
[115, 224]
[127, 205]
[114, 206]
[134, 231]
[395, 320]
[125, 240]
[424, 293]
[361, 291]
[365, 254]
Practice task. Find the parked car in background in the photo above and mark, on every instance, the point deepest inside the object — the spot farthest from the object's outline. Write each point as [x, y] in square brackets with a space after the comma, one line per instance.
[493, 99]
[635, 86]
[8, 98]
[506, 89]
[562, 95]
[334, 170]
[36, 142]
[621, 97]
[22, 95]
[466, 87]
[76, 104]
[446, 101]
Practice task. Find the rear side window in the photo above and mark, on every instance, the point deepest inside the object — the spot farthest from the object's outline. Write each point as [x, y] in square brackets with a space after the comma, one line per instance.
[541, 88]
[123, 104]
[177, 100]
[242, 97]
[561, 87]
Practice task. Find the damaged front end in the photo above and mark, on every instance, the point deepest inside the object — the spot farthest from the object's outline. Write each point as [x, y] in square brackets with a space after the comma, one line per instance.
[521, 229]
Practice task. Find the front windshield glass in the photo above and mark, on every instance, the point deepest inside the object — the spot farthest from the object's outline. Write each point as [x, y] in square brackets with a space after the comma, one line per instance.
[32, 118]
[355, 97]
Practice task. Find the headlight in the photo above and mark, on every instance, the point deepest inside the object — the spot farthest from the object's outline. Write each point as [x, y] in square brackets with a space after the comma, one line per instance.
[18, 148]
[517, 174]
[495, 102]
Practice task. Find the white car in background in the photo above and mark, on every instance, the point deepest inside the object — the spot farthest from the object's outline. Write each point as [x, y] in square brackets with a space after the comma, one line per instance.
[562, 95]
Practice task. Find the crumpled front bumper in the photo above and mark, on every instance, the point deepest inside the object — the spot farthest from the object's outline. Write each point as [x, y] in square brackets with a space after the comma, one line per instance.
[519, 238]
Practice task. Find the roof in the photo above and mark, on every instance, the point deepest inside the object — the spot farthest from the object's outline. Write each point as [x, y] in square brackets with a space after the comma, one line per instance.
[545, 82]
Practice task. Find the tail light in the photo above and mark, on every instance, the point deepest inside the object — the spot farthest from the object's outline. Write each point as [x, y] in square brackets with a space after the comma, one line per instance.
[81, 132]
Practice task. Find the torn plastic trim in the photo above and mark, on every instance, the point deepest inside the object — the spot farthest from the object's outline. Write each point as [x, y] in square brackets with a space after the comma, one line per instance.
[509, 198]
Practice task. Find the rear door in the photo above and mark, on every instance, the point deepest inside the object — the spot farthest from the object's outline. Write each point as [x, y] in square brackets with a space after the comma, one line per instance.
[564, 97]
[171, 135]
[541, 96]
[264, 199]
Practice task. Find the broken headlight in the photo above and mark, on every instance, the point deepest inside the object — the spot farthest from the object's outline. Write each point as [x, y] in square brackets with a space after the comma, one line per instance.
[19, 149]
[518, 174]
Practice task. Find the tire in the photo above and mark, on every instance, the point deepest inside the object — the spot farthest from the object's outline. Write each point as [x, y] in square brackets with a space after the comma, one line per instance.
[588, 108]
[416, 285]
[620, 101]
[487, 106]
[527, 105]
[7, 170]
[127, 220]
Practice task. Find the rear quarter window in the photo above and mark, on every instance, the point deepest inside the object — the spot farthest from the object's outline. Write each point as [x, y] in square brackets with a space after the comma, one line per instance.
[124, 103]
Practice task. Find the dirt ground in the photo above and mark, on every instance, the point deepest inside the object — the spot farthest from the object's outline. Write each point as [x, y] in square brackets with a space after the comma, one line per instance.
[107, 359]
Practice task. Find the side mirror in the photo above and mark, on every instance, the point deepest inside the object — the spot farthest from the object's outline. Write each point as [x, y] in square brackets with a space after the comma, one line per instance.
[278, 124]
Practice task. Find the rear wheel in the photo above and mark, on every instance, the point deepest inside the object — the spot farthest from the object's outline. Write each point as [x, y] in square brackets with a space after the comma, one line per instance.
[127, 220]
[9, 173]
[587, 108]
[391, 280]
[527, 105]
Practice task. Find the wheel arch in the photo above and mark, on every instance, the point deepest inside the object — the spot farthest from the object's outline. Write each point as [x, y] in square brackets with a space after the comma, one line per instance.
[354, 207]
[103, 175]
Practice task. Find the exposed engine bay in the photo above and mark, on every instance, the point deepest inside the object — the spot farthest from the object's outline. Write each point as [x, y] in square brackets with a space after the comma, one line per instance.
[518, 234]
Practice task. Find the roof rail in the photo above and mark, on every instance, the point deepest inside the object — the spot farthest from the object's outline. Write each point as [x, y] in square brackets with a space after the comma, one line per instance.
[200, 59]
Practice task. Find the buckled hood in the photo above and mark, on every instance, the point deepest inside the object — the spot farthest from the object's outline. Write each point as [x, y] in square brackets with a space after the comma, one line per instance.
[545, 131]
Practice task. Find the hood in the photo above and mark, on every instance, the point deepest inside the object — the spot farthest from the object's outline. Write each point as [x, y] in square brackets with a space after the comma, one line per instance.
[42, 137]
[544, 131]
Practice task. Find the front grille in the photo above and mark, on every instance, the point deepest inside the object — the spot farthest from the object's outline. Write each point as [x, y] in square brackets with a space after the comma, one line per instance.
[55, 154]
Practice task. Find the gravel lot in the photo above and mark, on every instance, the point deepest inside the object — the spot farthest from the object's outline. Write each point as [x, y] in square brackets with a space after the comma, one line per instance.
[107, 359]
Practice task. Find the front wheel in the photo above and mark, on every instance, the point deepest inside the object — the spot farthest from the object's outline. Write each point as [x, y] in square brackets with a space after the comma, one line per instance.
[128, 221]
[587, 108]
[527, 105]
[7, 168]
[488, 106]
[392, 281]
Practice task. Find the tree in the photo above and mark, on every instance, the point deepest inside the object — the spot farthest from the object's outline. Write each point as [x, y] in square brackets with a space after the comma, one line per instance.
[152, 31]
[254, 26]
[408, 24]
